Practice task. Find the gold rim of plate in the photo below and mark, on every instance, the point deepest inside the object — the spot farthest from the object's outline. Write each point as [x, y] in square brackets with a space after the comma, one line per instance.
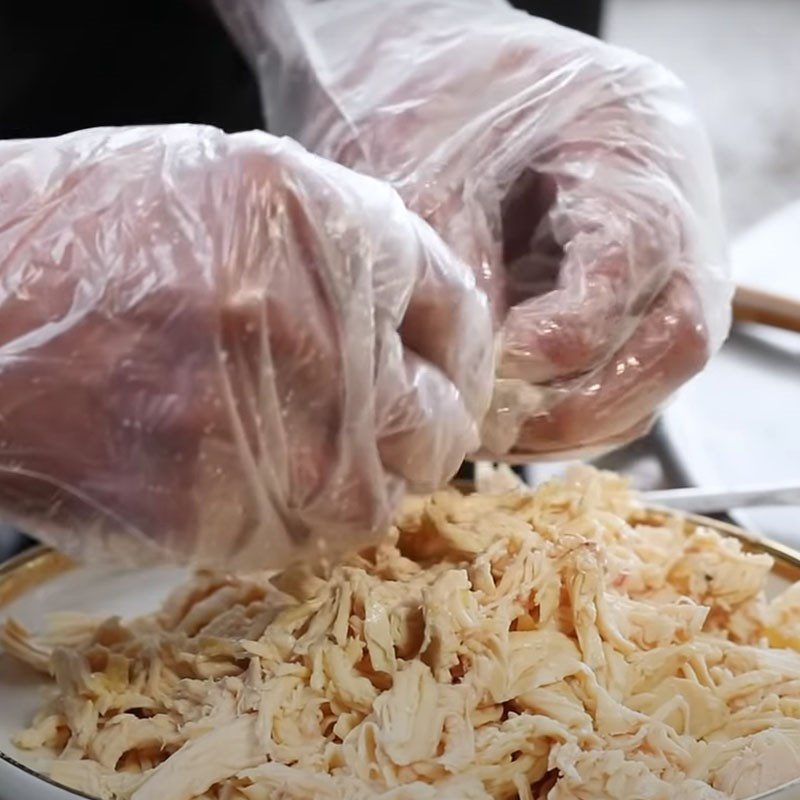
[40, 564]
[30, 569]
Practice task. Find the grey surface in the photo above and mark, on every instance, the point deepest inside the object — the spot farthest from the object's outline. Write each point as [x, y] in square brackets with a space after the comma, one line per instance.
[647, 462]
[741, 62]
[11, 542]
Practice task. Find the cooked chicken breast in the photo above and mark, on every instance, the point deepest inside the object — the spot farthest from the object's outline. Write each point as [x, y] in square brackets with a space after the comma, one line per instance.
[560, 643]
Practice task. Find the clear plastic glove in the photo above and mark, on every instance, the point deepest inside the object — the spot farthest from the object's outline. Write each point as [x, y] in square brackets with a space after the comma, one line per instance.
[569, 174]
[223, 348]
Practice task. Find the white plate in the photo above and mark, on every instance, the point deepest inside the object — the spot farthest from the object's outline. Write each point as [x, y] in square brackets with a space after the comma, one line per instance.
[738, 423]
[93, 590]
[130, 593]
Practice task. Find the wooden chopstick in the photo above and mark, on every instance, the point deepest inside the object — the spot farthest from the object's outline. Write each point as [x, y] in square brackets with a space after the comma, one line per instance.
[765, 308]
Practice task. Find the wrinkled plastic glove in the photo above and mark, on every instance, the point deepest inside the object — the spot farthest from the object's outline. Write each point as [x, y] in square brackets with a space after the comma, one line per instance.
[223, 348]
[569, 174]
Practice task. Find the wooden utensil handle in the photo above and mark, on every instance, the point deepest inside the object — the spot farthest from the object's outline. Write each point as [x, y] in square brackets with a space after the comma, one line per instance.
[756, 305]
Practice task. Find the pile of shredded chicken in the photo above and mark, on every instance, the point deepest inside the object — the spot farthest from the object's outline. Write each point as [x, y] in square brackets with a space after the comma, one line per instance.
[555, 644]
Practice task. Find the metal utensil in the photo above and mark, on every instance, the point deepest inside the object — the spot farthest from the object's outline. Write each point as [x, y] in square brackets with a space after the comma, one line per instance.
[711, 501]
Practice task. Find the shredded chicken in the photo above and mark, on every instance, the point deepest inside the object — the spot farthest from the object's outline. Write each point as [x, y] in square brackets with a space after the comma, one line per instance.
[560, 644]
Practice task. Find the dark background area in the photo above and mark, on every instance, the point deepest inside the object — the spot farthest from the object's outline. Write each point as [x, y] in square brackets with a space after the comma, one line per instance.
[67, 66]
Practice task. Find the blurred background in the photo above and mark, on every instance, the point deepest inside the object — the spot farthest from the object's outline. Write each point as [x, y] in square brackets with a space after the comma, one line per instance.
[741, 62]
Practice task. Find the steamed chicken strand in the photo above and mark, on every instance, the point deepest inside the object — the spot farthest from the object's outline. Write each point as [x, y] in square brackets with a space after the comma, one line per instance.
[560, 644]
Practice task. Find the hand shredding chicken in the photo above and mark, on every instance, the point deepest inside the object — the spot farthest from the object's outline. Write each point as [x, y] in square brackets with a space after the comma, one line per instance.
[562, 644]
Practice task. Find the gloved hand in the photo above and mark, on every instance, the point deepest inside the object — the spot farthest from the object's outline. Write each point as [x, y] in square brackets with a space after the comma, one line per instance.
[569, 174]
[223, 348]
